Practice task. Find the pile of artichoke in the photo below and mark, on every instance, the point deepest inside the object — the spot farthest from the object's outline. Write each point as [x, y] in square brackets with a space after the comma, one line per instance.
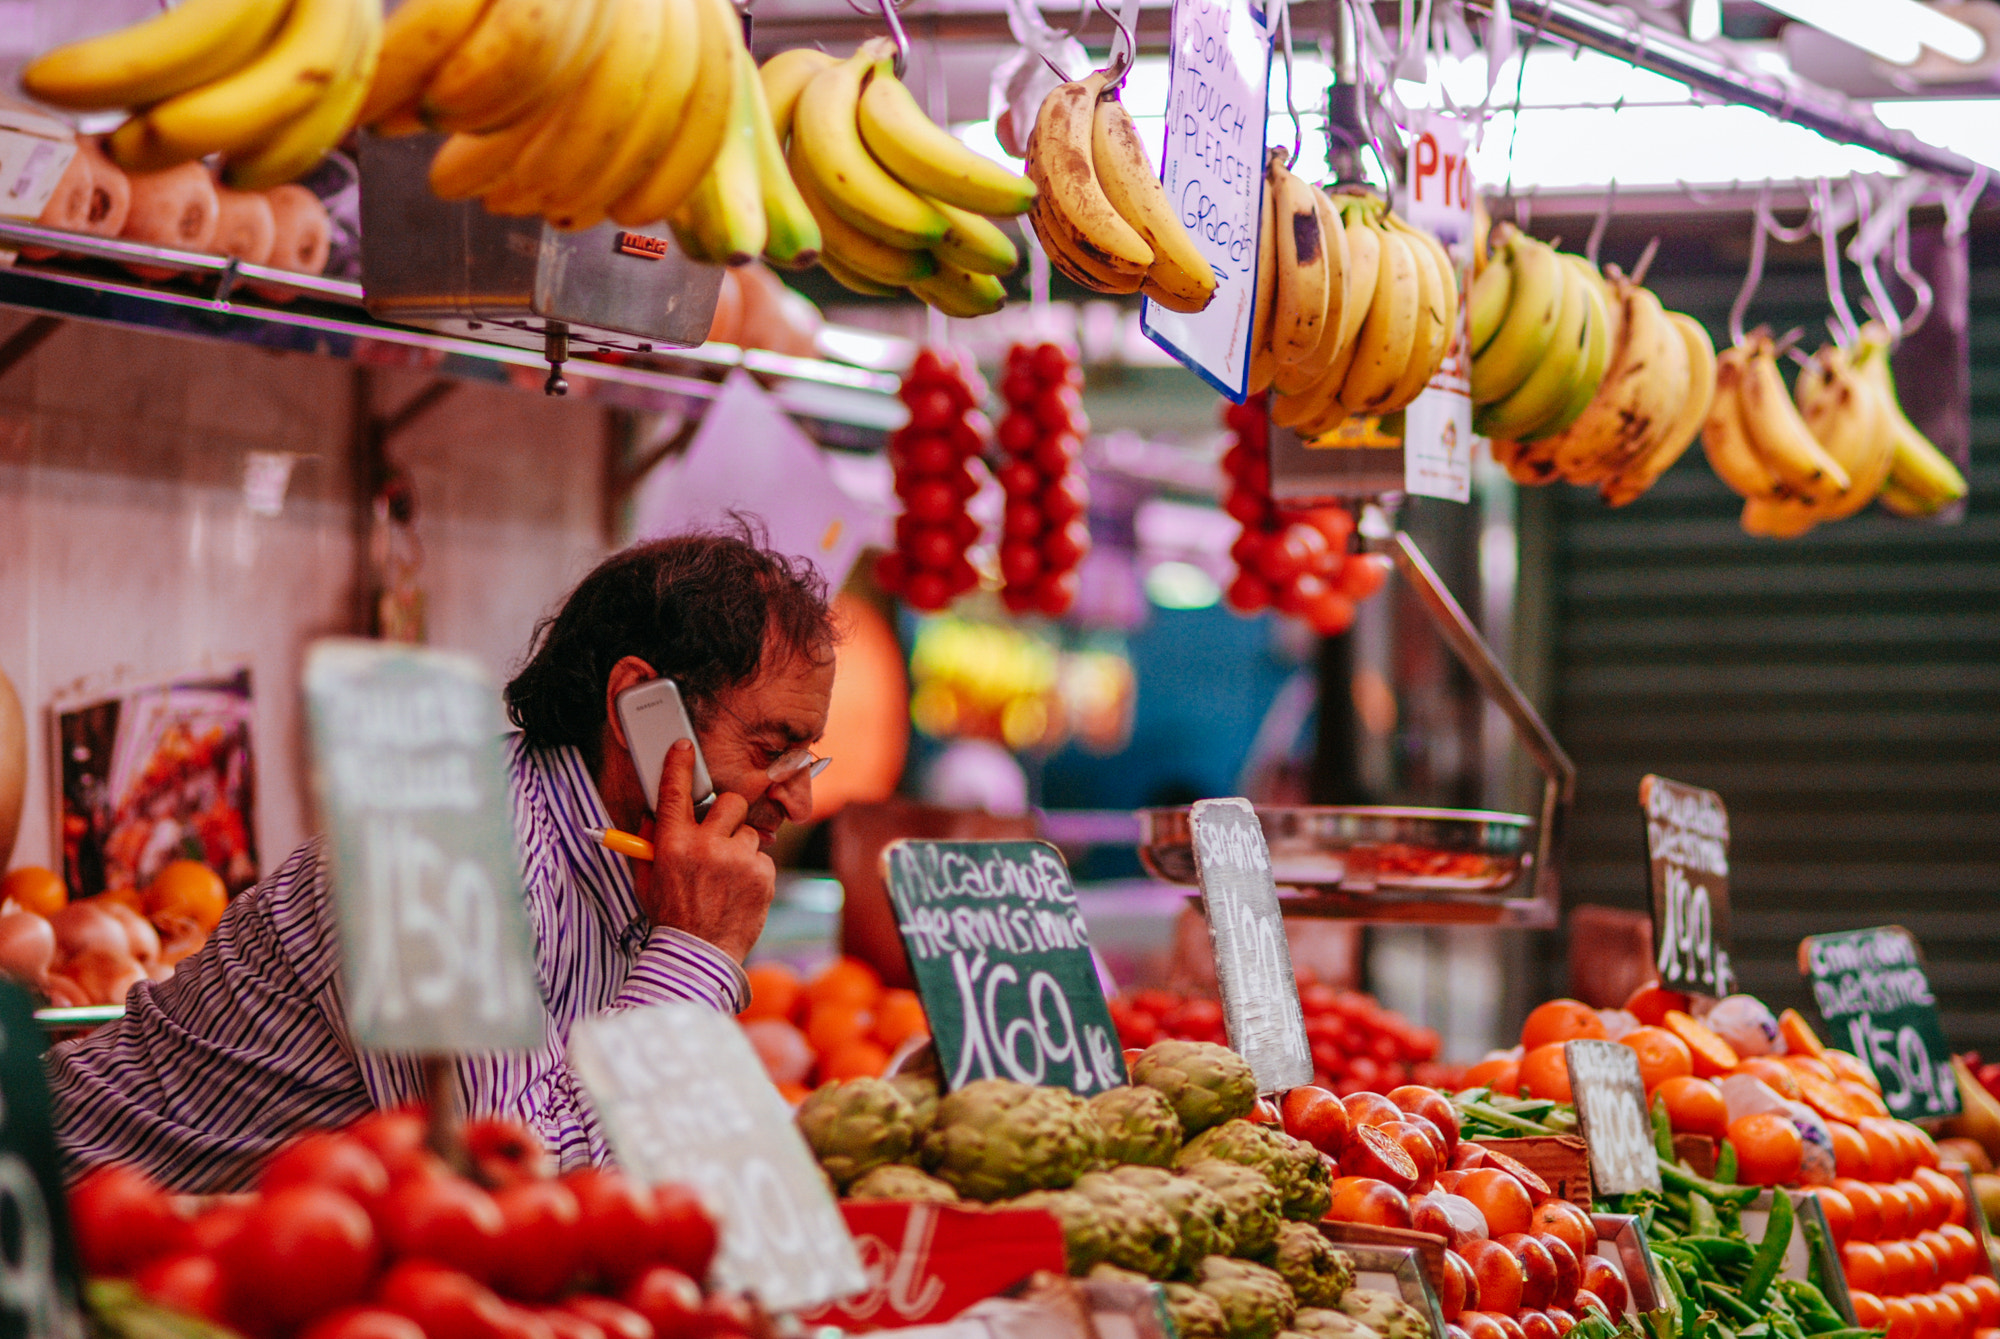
[1167, 1179]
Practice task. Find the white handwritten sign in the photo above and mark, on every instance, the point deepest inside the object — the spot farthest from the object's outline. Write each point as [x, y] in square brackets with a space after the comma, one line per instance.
[1872, 983]
[1213, 171]
[1002, 959]
[683, 1098]
[1437, 425]
[426, 875]
[1611, 1107]
[1687, 840]
[1253, 959]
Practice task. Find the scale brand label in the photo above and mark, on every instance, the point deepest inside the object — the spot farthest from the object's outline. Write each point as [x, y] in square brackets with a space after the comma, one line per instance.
[684, 1098]
[1872, 984]
[1219, 70]
[1002, 960]
[1253, 959]
[1611, 1107]
[426, 876]
[638, 244]
[1437, 425]
[1687, 841]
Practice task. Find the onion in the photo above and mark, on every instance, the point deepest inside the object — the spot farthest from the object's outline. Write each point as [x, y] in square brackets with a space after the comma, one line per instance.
[86, 927]
[106, 975]
[142, 940]
[63, 992]
[27, 947]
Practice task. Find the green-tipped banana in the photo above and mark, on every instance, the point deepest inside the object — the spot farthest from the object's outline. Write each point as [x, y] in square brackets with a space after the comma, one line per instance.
[827, 146]
[722, 221]
[959, 292]
[1922, 479]
[972, 242]
[1596, 356]
[1554, 376]
[1527, 330]
[792, 235]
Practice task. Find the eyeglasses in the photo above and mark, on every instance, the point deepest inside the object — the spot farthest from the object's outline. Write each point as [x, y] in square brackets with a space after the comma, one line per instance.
[791, 764]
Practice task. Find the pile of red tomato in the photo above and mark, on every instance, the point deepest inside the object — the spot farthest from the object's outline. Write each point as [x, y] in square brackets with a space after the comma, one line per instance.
[1043, 535]
[1519, 1263]
[933, 456]
[367, 1234]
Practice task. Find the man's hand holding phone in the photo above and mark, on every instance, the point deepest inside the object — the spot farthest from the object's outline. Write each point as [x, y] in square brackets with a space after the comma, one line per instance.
[709, 876]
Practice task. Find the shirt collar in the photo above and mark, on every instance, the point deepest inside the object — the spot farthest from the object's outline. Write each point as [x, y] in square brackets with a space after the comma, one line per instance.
[573, 805]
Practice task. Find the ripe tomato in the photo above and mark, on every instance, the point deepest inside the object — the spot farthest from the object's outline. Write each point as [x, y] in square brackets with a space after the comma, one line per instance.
[122, 1220]
[620, 1223]
[214, 1226]
[569, 1325]
[1500, 1274]
[668, 1299]
[363, 1322]
[191, 1283]
[505, 1151]
[301, 1252]
[446, 1303]
[1539, 1274]
[615, 1319]
[688, 1236]
[338, 1161]
[1318, 1117]
[540, 1249]
[446, 1219]
[1434, 1107]
[397, 1138]
[1603, 1281]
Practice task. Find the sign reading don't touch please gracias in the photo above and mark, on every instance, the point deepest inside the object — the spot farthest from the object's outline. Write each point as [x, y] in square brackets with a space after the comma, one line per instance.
[1002, 958]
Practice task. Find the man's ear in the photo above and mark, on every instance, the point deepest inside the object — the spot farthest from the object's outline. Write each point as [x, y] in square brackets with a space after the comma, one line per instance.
[630, 670]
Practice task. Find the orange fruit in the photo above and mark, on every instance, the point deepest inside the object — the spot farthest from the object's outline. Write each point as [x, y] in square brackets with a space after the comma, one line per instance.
[188, 888]
[1899, 1318]
[1868, 1312]
[1887, 1154]
[831, 1026]
[1502, 1074]
[1922, 1146]
[1902, 1269]
[1864, 1266]
[1711, 1054]
[1776, 1075]
[774, 991]
[1808, 1064]
[1850, 1151]
[899, 1016]
[1899, 1214]
[1989, 1299]
[32, 888]
[1830, 1099]
[1838, 1211]
[848, 981]
[1694, 1106]
[1501, 1198]
[1662, 1055]
[859, 1059]
[1561, 1020]
[1846, 1066]
[1769, 1151]
[1650, 1002]
[1865, 1096]
[1866, 1201]
[1545, 1073]
[1800, 1039]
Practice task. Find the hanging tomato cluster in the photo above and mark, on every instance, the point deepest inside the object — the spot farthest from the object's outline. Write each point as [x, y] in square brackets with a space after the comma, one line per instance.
[932, 455]
[1043, 537]
[1293, 561]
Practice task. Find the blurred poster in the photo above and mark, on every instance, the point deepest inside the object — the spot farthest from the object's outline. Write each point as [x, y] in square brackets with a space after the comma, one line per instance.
[158, 773]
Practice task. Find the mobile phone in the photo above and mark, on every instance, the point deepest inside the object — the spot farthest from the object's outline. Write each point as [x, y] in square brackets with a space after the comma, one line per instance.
[653, 717]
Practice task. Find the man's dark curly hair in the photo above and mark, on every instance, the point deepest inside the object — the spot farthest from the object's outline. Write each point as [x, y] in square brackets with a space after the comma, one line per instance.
[699, 608]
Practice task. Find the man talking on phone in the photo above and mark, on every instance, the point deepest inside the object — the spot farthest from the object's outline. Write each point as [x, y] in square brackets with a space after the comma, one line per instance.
[246, 1045]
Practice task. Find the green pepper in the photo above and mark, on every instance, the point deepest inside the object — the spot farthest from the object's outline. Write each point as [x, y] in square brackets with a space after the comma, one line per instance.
[1771, 1251]
[1816, 1250]
[1674, 1178]
[1815, 1313]
[1484, 1113]
[1702, 1221]
[1728, 1303]
[1663, 1131]
[1720, 1251]
[1725, 1164]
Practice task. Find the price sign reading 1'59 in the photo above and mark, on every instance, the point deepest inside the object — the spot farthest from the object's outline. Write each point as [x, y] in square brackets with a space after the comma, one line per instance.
[1871, 985]
[406, 754]
[1687, 840]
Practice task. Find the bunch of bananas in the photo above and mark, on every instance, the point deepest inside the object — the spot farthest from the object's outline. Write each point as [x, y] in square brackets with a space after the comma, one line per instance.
[1100, 212]
[1648, 393]
[1355, 308]
[900, 203]
[1823, 453]
[270, 84]
[1541, 335]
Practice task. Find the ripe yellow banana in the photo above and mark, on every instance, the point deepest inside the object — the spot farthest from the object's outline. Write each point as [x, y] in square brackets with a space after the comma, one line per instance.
[698, 135]
[722, 220]
[959, 292]
[1847, 414]
[853, 280]
[929, 159]
[1364, 262]
[190, 45]
[1549, 383]
[855, 252]
[1181, 274]
[1640, 391]
[1063, 162]
[653, 128]
[417, 38]
[1726, 440]
[972, 242]
[1447, 272]
[1779, 435]
[784, 77]
[1389, 334]
[469, 165]
[1698, 393]
[1533, 312]
[1492, 291]
[1434, 311]
[1922, 478]
[827, 145]
[1305, 276]
[1264, 362]
[509, 67]
[1313, 372]
[299, 145]
[1062, 246]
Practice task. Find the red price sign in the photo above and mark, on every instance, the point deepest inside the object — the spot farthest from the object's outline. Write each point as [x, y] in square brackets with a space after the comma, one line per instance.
[1440, 175]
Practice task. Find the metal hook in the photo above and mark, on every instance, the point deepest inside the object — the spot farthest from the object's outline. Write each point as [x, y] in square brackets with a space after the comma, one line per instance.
[1702, 198]
[1123, 53]
[1752, 277]
[1829, 248]
[1792, 236]
[1909, 274]
[1603, 221]
[887, 9]
[1879, 300]
[1291, 104]
[1958, 208]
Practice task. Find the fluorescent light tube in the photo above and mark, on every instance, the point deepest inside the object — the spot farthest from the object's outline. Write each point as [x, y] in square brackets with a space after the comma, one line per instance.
[1892, 30]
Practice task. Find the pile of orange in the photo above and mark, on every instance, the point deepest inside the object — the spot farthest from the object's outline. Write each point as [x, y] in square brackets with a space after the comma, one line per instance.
[840, 1023]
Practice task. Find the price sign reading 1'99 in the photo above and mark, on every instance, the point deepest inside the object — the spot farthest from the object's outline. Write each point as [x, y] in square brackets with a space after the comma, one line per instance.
[1687, 841]
[1871, 990]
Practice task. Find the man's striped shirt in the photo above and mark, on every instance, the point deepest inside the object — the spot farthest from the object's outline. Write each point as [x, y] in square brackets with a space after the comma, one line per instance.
[247, 1044]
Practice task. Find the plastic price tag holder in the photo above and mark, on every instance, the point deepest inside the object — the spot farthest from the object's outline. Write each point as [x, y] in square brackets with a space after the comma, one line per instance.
[1002, 959]
[38, 1271]
[1799, 1252]
[1253, 959]
[682, 1097]
[1620, 1241]
[413, 789]
[1219, 70]
[1611, 1108]
[1398, 1270]
[1871, 989]
[1687, 842]
[1437, 425]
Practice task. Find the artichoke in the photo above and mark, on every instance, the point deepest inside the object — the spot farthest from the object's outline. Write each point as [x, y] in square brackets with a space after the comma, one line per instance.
[897, 1182]
[1250, 1199]
[1085, 1238]
[1304, 1184]
[1143, 1233]
[1205, 1223]
[921, 1088]
[1195, 1314]
[995, 1138]
[1256, 1303]
[1318, 1273]
[1207, 1084]
[1139, 1125]
[1113, 1274]
[856, 1125]
[1331, 1324]
[1385, 1313]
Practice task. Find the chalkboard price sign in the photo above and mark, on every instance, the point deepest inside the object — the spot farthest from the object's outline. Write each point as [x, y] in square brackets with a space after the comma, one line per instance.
[683, 1098]
[1002, 960]
[1871, 984]
[38, 1273]
[426, 876]
[1687, 841]
[1253, 959]
[1611, 1107]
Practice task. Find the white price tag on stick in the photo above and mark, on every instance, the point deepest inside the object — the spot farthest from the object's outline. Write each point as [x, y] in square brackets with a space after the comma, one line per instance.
[682, 1097]
[1253, 959]
[1611, 1107]
[1213, 171]
[1437, 425]
[426, 875]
